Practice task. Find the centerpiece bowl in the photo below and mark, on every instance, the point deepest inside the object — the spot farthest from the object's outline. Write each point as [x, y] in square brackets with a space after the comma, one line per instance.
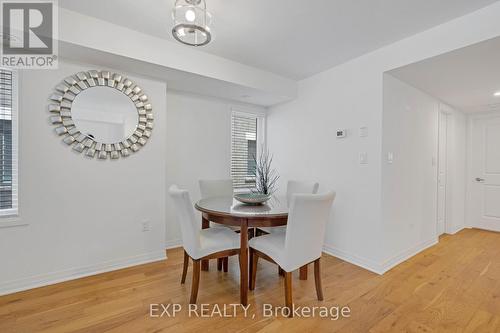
[252, 198]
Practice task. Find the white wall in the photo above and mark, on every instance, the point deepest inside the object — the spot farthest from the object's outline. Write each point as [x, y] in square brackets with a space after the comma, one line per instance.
[198, 145]
[301, 134]
[409, 184]
[82, 215]
[410, 131]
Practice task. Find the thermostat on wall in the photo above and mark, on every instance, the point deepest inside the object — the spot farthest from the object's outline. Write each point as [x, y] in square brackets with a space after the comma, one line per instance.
[341, 133]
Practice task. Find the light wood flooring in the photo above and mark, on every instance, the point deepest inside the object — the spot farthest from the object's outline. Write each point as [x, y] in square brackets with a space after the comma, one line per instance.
[451, 287]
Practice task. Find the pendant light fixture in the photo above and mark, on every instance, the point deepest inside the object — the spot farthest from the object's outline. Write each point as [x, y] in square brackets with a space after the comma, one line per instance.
[192, 22]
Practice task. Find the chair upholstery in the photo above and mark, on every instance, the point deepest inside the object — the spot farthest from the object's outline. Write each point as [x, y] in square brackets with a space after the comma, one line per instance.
[303, 240]
[217, 188]
[293, 187]
[199, 243]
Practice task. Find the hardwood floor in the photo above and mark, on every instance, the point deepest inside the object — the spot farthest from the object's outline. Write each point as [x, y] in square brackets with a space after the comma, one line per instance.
[451, 287]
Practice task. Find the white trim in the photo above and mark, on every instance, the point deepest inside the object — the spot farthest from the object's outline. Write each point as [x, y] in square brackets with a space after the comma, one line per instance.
[367, 264]
[455, 230]
[245, 111]
[6, 215]
[373, 266]
[444, 115]
[12, 221]
[172, 244]
[31, 282]
[405, 255]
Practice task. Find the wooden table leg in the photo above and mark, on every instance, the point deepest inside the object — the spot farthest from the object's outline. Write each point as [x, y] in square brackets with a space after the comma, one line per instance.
[244, 262]
[303, 273]
[205, 224]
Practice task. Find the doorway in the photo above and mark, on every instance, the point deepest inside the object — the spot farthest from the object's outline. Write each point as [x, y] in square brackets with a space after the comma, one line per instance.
[484, 172]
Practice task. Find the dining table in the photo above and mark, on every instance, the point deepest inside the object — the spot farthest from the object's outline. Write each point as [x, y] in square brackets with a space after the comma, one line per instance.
[230, 212]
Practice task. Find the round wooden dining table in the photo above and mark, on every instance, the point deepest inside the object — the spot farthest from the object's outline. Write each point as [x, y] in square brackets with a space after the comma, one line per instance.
[228, 211]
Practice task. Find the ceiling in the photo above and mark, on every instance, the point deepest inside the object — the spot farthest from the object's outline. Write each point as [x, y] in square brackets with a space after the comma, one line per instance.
[176, 79]
[466, 78]
[292, 38]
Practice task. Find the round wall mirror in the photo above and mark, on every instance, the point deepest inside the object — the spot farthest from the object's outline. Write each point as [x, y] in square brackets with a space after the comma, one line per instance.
[104, 114]
[101, 114]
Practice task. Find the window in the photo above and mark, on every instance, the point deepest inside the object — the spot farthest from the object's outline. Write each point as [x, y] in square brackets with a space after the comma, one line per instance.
[8, 142]
[246, 137]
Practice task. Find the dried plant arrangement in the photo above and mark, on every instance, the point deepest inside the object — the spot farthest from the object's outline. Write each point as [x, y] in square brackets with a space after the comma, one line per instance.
[266, 177]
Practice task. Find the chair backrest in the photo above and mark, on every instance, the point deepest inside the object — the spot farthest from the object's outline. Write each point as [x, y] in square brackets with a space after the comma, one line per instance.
[216, 188]
[185, 215]
[305, 231]
[296, 187]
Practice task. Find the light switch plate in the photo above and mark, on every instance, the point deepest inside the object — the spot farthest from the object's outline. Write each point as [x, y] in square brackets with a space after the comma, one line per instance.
[363, 158]
[390, 157]
[146, 226]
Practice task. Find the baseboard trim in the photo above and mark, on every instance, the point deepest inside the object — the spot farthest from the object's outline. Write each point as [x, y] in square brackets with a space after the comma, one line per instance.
[172, 244]
[375, 267]
[42, 280]
[455, 230]
[367, 264]
[405, 255]
[14, 286]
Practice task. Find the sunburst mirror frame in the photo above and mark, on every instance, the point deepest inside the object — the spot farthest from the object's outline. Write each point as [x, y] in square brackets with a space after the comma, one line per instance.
[60, 110]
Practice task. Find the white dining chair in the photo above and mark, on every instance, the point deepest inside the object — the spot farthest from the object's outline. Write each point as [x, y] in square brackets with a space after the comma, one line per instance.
[218, 188]
[211, 243]
[301, 244]
[292, 187]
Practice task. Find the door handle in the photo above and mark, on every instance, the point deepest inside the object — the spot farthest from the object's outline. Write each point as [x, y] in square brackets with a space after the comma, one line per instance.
[480, 180]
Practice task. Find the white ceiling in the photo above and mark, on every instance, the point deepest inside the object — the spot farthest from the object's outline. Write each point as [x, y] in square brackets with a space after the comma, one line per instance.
[293, 38]
[176, 79]
[466, 78]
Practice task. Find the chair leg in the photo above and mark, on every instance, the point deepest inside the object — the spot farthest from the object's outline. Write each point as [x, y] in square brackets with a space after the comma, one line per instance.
[196, 281]
[288, 293]
[317, 279]
[219, 264]
[254, 258]
[303, 273]
[225, 264]
[251, 254]
[185, 267]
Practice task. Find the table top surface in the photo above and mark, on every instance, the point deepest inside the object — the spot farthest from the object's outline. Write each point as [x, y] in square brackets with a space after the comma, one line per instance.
[228, 206]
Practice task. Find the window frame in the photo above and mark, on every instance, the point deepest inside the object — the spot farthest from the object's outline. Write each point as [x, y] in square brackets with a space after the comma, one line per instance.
[9, 217]
[260, 142]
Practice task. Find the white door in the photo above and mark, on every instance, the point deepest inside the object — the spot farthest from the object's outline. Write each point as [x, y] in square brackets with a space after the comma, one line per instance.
[484, 198]
[442, 174]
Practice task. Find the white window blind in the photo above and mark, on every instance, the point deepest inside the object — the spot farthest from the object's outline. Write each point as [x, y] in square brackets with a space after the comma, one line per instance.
[243, 149]
[8, 143]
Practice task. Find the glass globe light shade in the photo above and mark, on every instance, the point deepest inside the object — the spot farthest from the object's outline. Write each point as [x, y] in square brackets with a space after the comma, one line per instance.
[192, 22]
